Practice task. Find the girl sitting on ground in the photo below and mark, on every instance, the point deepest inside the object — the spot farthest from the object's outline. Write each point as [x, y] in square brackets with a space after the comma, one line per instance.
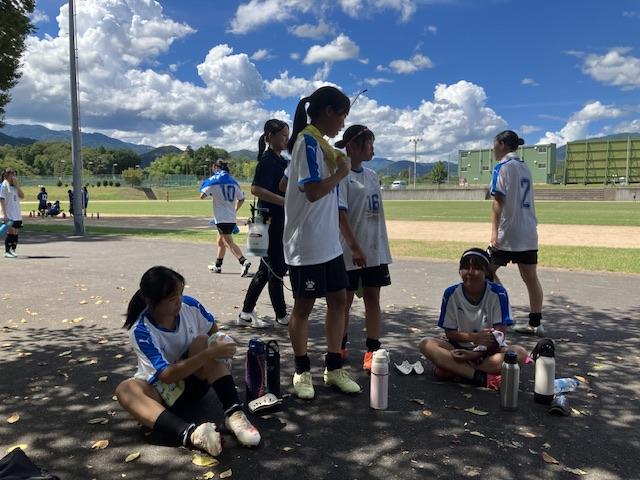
[475, 315]
[177, 364]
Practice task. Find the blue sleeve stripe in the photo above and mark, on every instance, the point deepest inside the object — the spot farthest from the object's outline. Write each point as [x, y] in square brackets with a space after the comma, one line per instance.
[311, 151]
[494, 180]
[505, 317]
[192, 302]
[145, 344]
[445, 301]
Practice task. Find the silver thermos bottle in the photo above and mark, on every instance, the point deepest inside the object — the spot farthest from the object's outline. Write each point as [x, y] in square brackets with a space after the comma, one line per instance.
[510, 381]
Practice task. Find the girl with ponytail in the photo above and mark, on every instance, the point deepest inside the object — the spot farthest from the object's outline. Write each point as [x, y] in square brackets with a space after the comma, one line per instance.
[312, 247]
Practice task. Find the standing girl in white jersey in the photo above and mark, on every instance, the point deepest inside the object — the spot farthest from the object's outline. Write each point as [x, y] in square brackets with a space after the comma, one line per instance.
[312, 247]
[227, 199]
[514, 235]
[10, 196]
[178, 363]
[364, 235]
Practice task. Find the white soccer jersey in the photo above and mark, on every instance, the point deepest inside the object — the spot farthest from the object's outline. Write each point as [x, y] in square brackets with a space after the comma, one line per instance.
[157, 347]
[311, 229]
[359, 196]
[225, 192]
[517, 230]
[458, 313]
[11, 201]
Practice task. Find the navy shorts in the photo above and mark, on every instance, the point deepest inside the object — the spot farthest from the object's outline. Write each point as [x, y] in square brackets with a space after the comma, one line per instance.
[225, 228]
[369, 277]
[503, 257]
[315, 281]
[194, 389]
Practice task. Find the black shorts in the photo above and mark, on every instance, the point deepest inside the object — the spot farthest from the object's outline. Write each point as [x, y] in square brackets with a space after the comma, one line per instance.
[502, 257]
[369, 277]
[315, 281]
[17, 224]
[194, 389]
[225, 228]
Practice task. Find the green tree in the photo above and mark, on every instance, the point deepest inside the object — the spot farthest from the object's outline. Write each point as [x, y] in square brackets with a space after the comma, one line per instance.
[133, 176]
[15, 25]
[438, 173]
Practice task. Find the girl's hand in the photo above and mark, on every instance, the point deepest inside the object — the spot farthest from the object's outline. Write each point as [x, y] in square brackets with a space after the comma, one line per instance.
[484, 337]
[343, 165]
[222, 349]
[359, 258]
[494, 240]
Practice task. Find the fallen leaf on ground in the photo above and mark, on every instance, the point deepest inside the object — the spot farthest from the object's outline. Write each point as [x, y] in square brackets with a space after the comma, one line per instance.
[527, 434]
[100, 444]
[226, 474]
[287, 449]
[592, 374]
[575, 471]
[573, 364]
[208, 475]
[99, 302]
[475, 411]
[546, 445]
[427, 413]
[65, 353]
[203, 460]
[471, 471]
[21, 446]
[419, 401]
[131, 457]
[581, 379]
[83, 302]
[118, 355]
[466, 395]
[575, 412]
[13, 418]
[477, 434]
[533, 452]
[549, 459]
[102, 379]
[100, 420]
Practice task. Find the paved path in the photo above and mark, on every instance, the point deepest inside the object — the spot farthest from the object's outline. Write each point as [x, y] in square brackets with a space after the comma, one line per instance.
[61, 306]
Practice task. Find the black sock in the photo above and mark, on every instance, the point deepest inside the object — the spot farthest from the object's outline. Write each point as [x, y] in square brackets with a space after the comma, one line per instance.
[373, 344]
[535, 319]
[345, 339]
[8, 241]
[14, 245]
[225, 388]
[333, 361]
[303, 364]
[242, 260]
[168, 422]
[218, 262]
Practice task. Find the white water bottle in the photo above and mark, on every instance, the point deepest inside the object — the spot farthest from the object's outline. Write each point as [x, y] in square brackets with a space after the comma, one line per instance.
[544, 356]
[379, 388]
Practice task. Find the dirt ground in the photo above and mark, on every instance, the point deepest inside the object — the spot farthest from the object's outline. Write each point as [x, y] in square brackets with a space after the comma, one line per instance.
[570, 235]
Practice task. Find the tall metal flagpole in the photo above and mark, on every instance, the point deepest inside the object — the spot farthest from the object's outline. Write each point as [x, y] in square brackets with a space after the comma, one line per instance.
[78, 203]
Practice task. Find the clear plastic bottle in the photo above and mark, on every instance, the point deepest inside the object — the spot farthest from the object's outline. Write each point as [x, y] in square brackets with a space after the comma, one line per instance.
[564, 385]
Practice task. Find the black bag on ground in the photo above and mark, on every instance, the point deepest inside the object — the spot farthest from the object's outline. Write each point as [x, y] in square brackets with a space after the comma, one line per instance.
[17, 466]
[273, 368]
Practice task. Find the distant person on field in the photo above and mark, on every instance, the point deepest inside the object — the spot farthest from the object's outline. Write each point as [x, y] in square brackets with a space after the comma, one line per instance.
[85, 199]
[266, 186]
[70, 194]
[42, 201]
[53, 210]
[10, 196]
[514, 235]
[227, 198]
[475, 315]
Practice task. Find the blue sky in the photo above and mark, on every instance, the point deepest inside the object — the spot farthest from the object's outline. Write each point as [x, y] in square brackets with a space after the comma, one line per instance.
[451, 72]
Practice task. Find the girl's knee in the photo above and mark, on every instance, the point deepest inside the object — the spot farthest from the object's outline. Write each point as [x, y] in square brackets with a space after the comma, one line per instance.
[427, 345]
[521, 352]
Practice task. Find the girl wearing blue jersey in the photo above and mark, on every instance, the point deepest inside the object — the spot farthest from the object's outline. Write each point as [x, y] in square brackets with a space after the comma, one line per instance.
[177, 364]
[364, 235]
[227, 198]
[475, 315]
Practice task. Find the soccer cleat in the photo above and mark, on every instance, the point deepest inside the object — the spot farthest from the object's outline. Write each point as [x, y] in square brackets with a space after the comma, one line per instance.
[303, 385]
[206, 438]
[340, 379]
[245, 269]
[214, 269]
[10, 255]
[250, 319]
[246, 433]
[284, 321]
[366, 363]
[527, 329]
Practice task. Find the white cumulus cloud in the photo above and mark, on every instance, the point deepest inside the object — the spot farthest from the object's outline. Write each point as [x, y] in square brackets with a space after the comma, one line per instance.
[261, 54]
[377, 81]
[316, 32]
[616, 68]
[364, 8]
[38, 16]
[257, 13]
[415, 63]
[342, 48]
[530, 81]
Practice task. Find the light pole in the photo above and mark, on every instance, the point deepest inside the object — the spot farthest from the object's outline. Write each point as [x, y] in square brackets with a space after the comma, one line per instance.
[415, 142]
[113, 170]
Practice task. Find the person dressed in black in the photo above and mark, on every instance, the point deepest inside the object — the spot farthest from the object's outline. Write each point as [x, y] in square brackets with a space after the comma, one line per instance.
[42, 201]
[265, 186]
[70, 193]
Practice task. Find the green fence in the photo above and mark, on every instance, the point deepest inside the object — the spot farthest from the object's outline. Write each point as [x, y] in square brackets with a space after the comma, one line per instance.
[603, 161]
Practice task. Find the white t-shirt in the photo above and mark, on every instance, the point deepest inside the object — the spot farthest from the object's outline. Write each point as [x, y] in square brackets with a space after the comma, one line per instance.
[225, 192]
[157, 347]
[359, 196]
[459, 313]
[517, 230]
[11, 201]
[311, 229]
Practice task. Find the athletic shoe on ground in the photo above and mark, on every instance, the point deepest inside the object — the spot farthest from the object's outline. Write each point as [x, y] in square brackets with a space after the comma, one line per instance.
[284, 321]
[340, 379]
[527, 329]
[246, 433]
[303, 386]
[214, 269]
[366, 363]
[10, 255]
[245, 269]
[13, 251]
[206, 438]
[251, 320]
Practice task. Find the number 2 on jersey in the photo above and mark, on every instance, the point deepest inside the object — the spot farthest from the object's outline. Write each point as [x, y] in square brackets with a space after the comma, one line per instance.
[526, 185]
[228, 192]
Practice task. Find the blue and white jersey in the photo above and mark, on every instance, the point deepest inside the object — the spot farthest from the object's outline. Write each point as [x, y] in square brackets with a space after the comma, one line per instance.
[311, 229]
[360, 198]
[225, 192]
[459, 313]
[157, 347]
[517, 230]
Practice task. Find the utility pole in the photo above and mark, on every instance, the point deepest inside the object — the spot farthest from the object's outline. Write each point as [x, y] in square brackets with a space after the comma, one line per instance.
[78, 202]
[415, 142]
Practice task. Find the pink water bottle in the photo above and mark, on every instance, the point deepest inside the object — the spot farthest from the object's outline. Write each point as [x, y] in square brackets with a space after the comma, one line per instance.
[379, 388]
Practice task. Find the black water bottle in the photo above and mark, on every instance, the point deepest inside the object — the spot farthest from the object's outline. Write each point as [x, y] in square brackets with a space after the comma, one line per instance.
[273, 368]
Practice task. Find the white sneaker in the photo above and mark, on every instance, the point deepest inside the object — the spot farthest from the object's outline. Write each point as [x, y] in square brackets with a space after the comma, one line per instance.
[13, 251]
[206, 438]
[214, 269]
[303, 386]
[10, 255]
[245, 268]
[527, 329]
[246, 433]
[283, 320]
[250, 319]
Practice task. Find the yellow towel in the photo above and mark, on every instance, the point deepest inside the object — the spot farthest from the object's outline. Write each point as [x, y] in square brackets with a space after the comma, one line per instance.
[330, 154]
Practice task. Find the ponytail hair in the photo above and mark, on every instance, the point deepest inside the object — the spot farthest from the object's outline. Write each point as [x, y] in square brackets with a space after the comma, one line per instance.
[510, 139]
[270, 127]
[222, 165]
[318, 101]
[156, 284]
